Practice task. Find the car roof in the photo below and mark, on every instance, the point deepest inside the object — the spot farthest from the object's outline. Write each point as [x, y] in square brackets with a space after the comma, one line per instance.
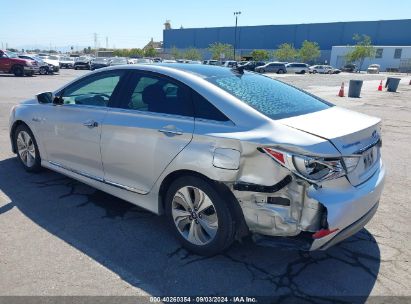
[202, 70]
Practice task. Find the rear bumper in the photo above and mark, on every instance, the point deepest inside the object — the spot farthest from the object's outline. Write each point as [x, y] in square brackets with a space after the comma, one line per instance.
[351, 229]
[349, 209]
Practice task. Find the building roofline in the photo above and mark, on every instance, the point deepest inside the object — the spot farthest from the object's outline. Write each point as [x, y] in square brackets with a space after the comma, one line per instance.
[288, 24]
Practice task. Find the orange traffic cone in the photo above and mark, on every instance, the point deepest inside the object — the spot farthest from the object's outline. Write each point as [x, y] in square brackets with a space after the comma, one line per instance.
[380, 86]
[341, 92]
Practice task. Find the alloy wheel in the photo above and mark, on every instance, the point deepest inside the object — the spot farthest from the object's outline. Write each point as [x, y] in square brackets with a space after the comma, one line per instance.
[26, 149]
[194, 215]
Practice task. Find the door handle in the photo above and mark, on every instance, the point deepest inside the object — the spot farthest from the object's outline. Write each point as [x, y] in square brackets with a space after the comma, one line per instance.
[91, 124]
[171, 132]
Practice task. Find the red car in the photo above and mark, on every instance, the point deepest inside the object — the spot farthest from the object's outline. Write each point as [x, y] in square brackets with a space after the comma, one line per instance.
[10, 63]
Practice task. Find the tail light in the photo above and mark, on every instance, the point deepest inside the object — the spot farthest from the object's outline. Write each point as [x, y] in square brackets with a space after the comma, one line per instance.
[311, 168]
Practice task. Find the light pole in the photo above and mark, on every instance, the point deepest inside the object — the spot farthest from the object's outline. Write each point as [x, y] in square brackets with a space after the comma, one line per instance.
[235, 30]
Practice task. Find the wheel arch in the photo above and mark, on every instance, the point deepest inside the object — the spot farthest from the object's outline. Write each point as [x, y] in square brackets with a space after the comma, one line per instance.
[16, 65]
[222, 188]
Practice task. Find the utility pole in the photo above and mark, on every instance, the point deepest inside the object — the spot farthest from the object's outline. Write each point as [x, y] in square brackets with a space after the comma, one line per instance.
[106, 42]
[236, 14]
[95, 43]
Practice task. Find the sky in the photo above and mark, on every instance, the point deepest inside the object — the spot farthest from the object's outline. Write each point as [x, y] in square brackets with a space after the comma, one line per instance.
[128, 23]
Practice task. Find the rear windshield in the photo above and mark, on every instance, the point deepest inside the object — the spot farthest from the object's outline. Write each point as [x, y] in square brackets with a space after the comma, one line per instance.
[270, 97]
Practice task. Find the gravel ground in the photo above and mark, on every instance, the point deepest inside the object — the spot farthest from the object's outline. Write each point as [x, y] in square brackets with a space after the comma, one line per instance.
[61, 237]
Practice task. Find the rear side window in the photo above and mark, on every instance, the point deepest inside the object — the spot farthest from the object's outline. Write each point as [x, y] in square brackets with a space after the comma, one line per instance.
[270, 97]
[152, 93]
[205, 110]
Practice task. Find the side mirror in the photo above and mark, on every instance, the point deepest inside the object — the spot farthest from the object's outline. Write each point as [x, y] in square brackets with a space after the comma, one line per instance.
[46, 97]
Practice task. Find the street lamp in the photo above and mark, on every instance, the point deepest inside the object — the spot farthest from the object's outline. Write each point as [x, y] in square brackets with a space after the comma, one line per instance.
[235, 30]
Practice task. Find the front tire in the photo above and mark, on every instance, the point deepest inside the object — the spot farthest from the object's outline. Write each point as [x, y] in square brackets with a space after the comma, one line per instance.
[18, 71]
[43, 71]
[27, 149]
[199, 216]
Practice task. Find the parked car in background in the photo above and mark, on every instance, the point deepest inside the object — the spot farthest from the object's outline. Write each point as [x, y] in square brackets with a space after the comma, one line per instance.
[221, 155]
[141, 60]
[297, 68]
[82, 62]
[169, 61]
[66, 62]
[157, 59]
[52, 61]
[350, 67]
[272, 67]
[373, 69]
[10, 63]
[320, 69]
[118, 61]
[44, 68]
[99, 62]
[211, 62]
[229, 63]
[251, 65]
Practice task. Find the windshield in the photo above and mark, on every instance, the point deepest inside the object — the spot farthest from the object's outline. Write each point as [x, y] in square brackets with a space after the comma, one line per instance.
[270, 97]
[53, 58]
[10, 54]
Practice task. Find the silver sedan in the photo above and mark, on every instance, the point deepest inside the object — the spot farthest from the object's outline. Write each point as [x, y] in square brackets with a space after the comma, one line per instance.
[224, 153]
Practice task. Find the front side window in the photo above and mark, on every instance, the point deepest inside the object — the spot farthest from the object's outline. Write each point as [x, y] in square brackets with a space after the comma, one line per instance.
[270, 97]
[92, 91]
[156, 94]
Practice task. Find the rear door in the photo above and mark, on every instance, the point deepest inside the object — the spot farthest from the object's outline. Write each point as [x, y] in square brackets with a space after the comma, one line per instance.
[141, 135]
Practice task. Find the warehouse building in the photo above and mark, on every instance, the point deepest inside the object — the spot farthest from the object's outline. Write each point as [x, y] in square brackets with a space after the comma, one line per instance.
[269, 37]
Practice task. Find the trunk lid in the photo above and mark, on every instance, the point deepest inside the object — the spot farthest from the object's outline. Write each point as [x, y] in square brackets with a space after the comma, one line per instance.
[350, 132]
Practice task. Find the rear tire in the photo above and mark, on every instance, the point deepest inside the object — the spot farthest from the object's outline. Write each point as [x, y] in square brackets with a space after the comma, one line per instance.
[199, 216]
[280, 71]
[27, 149]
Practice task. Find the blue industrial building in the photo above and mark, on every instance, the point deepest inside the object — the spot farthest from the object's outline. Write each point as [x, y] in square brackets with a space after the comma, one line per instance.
[269, 37]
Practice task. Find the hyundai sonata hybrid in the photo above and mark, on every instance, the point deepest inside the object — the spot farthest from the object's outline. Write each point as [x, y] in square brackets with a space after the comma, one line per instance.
[223, 153]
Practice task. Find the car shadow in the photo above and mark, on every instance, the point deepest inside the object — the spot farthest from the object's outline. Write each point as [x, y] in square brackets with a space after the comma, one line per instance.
[140, 248]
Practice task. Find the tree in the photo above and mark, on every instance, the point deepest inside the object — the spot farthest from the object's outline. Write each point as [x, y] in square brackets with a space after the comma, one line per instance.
[309, 51]
[260, 55]
[286, 52]
[135, 53]
[218, 48]
[150, 52]
[363, 49]
[192, 54]
[175, 53]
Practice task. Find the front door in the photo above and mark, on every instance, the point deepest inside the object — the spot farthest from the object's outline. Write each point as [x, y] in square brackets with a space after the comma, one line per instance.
[71, 131]
[143, 135]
